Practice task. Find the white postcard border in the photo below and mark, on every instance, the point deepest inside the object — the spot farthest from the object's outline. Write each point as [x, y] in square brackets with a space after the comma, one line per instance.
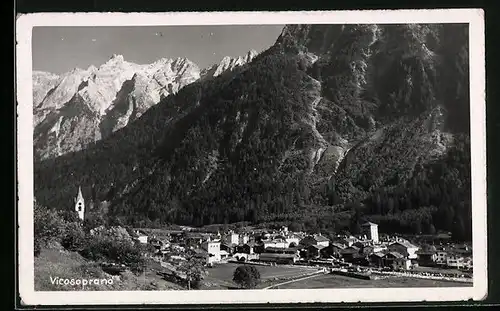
[25, 23]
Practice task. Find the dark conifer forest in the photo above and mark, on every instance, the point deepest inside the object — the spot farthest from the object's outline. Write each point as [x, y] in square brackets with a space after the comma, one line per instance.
[331, 126]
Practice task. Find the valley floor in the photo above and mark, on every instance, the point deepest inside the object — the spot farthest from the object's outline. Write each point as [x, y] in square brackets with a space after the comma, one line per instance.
[56, 262]
[338, 281]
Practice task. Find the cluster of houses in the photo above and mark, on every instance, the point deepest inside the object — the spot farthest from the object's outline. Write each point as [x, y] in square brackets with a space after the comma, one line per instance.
[286, 247]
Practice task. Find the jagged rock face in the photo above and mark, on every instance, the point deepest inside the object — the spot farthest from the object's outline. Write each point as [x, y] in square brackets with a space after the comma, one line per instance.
[228, 64]
[84, 106]
[329, 109]
[43, 82]
[372, 74]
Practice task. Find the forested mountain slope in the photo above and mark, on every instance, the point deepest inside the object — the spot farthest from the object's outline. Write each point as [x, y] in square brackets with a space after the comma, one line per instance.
[366, 119]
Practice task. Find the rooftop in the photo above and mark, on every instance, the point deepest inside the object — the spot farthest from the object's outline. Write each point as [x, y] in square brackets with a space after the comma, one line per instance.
[350, 249]
[338, 245]
[321, 238]
[351, 238]
[405, 244]
[318, 247]
[279, 249]
[378, 254]
[395, 254]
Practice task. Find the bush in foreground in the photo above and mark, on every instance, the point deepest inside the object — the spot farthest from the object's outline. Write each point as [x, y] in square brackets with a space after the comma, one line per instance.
[73, 238]
[99, 248]
[48, 225]
[246, 276]
[194, 270]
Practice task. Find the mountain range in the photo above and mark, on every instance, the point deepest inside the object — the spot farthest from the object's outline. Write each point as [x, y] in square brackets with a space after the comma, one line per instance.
[331, 126]
[81, 106]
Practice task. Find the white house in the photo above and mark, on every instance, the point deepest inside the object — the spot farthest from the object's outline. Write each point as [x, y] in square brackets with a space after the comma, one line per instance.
[242, 239]
[455, 261]
[441, 256]
[316, 239]
[404, 247]
[142, 236]
[468, 263]
[397, 260]
[401, 264]
[349, 241]
[292, 239]
[231, 238]
[224, 255]
[379, 248]
[213, 249]
[279, 243]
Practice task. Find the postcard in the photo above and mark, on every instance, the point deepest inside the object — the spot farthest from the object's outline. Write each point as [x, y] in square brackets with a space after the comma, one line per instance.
[251, 157]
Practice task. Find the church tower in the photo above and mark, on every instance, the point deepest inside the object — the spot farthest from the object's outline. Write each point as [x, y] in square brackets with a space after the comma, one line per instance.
[80, 204]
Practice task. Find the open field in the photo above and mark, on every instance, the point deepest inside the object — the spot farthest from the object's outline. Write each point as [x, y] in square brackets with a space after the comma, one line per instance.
[220, 276]
[440, 270]
[338, 281]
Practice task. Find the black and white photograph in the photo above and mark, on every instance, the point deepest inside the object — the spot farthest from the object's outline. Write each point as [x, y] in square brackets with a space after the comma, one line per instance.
[251, 157]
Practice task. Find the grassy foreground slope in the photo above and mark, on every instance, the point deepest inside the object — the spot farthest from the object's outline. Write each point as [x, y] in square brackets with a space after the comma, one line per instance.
[56, 262]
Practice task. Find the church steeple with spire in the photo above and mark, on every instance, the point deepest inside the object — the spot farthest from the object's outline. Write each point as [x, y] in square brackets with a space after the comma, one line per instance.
[80, 204]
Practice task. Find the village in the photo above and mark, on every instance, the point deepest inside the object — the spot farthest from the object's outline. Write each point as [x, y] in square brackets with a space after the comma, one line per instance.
[272, 255]
[366, 256]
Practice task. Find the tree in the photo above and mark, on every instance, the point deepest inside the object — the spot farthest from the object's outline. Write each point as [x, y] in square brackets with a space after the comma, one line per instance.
[48, 226]
[432, 229]
[311, 224]
[416, 226]
[355, 224]
[93, 220]
[114, 245]
[73, 238]
[70, 215]
[246, 276]
[295, 227]
[458, 229]
[194, 269]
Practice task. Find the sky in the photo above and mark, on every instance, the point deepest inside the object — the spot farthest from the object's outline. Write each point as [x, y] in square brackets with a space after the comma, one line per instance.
[60, 49]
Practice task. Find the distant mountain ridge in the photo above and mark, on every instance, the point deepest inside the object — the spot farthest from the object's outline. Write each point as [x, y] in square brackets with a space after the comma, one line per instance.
[228, 63]
[82, 106]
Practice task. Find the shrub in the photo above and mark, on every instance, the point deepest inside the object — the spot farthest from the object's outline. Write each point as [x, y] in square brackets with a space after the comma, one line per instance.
[246, 276]
[194, 269]
[109, 248]
[48, 226]
[38, 248]
[70, 216]
[93, 220]
[74, 237]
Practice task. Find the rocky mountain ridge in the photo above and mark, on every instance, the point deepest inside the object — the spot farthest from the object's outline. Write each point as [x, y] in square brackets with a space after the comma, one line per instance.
[82, 106]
